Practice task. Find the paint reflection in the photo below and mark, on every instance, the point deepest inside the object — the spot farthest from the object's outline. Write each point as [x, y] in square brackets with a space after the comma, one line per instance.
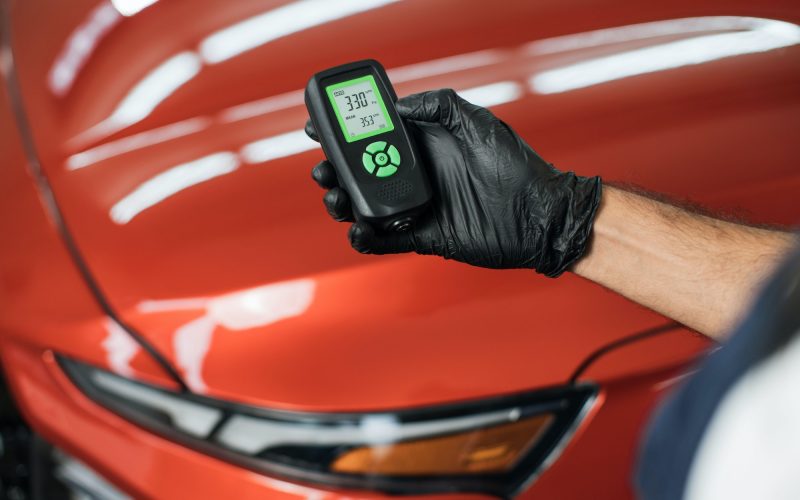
[277, 23]
[278, 146]
[147, 94]
[79, 47]
[763, 36]
[170, 75]
[131, 7]
[643, 31]
[446, 65]
[261, 306]
[171, 182]
[137, 141]
[262, 106]
[493, 94]
[120, 348]
[740, 36]
[239, 311]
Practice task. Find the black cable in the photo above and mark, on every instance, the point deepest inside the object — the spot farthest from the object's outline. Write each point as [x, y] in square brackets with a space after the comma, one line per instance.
[594, 356]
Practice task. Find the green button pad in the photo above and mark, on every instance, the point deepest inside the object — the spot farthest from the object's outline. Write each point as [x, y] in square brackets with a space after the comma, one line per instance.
[386, 171]
[366, 159]
[376, 147]
[394, 155]
[381, 159]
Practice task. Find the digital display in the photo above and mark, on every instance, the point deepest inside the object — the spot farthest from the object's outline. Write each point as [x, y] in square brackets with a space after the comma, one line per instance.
[359, 108]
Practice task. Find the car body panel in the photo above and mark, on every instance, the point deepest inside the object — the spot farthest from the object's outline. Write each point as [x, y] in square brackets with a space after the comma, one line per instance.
[650, 352]
[183, 178]
[212, 243]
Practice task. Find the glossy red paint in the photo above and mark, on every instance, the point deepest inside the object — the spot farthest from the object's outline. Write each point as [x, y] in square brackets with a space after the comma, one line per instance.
[44, 301]
[184, 181]
[611, 437]
[255, 225]
[652, 353]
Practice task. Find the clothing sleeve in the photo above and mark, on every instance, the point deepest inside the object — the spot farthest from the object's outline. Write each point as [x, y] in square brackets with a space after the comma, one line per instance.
[750, 367]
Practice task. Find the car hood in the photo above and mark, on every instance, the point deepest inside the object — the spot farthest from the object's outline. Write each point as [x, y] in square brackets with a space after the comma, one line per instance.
[173, 141]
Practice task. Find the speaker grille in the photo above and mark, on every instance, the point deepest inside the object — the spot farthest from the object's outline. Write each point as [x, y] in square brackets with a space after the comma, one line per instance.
[394, 190]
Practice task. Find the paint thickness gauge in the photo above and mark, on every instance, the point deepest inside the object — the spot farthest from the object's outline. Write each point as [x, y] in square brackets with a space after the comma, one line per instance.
[352, 108]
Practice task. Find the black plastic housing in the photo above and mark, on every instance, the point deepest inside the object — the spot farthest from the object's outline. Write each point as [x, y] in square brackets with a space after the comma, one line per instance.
[390, 203]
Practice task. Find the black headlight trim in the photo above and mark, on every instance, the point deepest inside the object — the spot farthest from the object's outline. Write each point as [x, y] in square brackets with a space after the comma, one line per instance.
[569, 404]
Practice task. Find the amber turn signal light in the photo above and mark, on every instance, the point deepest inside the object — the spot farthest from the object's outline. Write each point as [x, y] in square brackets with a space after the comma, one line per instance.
[489, 450]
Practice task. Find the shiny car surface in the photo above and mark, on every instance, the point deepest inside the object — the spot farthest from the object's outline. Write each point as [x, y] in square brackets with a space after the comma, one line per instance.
[158, 223]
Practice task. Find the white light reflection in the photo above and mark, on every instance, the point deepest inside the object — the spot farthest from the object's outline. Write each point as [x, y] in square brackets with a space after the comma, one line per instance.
[244, 309]
[79, 47]
[643, 31]
[279, 146]
[171, 182]
[120, 348]
[131, 7]
[136, 141]
[155, 87]
[262, 106]
[171, 305]
[493, 94]
[173, 73]
[251, 435]
[191, 343]
[146, 95]
[768, 35]
[263, 305]
[282, 21]
[445, 65]
[237, 311]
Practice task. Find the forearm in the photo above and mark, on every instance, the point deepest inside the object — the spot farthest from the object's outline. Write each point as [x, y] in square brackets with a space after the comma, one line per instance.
[700, 271]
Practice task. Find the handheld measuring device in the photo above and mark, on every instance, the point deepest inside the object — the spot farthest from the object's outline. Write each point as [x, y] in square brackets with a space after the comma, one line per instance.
[352, 108]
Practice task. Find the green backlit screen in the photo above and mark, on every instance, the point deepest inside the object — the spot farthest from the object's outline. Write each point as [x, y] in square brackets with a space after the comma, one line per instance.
[359, 108]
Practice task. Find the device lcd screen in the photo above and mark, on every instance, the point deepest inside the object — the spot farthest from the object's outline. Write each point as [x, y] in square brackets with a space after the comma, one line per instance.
[359, 108]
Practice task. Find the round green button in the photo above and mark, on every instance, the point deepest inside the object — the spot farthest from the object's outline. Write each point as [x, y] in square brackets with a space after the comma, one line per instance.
[381, 159]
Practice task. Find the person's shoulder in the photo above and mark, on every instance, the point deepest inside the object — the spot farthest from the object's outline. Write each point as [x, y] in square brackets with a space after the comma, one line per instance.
[708, 438]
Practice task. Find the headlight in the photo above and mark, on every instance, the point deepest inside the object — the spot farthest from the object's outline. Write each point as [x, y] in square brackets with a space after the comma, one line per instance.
[492, 446]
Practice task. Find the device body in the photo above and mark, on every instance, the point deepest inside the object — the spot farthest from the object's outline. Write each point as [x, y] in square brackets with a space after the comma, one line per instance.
[352, 108]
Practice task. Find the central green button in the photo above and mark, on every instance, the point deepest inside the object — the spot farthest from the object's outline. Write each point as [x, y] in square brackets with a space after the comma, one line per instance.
[381, 159]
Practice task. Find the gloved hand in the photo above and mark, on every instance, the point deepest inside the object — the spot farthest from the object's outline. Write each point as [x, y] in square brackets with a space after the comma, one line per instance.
[495, 204]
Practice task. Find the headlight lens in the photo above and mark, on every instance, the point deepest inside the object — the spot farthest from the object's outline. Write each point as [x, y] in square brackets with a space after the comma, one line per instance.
[493, 446]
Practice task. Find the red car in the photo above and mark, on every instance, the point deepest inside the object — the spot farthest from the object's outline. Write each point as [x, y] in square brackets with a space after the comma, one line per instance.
[179, 318]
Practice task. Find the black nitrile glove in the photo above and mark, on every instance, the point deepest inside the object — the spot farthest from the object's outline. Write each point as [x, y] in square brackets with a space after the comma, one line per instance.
[495, 204]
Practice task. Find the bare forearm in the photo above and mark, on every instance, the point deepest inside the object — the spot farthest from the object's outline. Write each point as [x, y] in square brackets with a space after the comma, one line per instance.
[700, 271]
